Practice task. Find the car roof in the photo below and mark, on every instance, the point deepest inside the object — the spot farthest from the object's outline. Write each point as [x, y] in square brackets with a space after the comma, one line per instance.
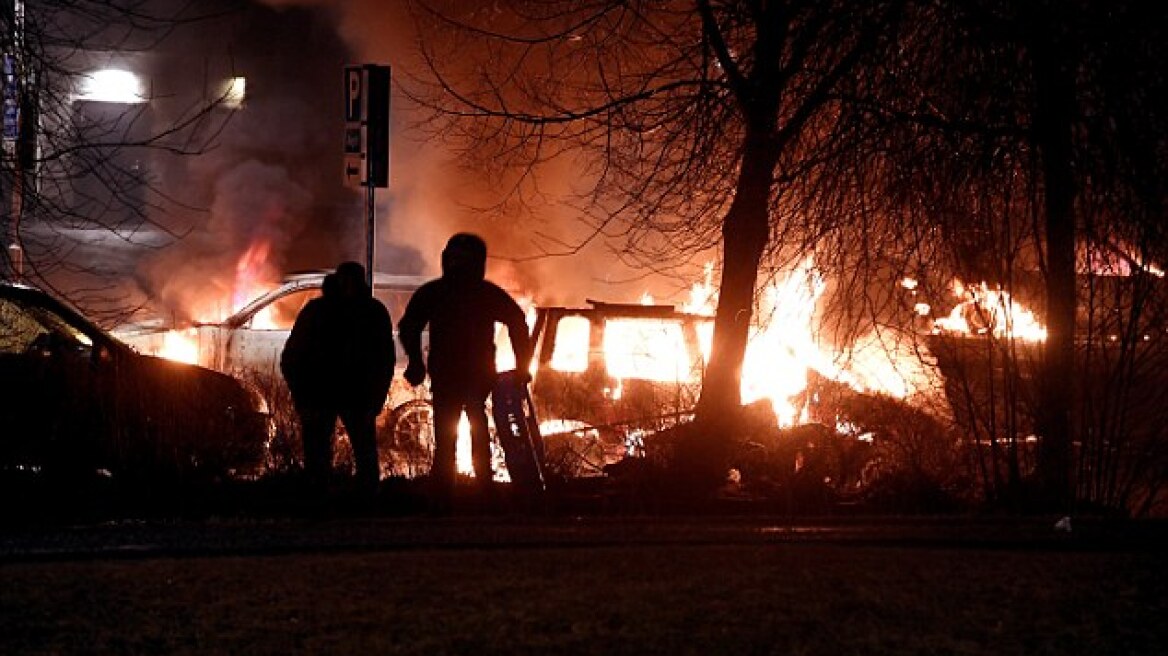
[313, 280]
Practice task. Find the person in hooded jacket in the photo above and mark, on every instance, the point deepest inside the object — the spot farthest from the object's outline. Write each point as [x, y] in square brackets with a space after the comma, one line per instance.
[461, 309]
[338, 362]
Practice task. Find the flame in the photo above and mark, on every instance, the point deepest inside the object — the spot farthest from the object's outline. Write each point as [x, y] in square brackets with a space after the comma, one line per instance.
[252, 277]
[180, 346]
[249, 272]
[570, 352]
[782, 351]
[464, 460]
[265, 320]
[647, 349]
[504, 354]
[985, 311]
[462, 454]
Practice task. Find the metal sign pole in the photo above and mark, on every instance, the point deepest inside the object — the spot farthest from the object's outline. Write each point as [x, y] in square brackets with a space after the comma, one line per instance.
[367, 142]
[370, 235]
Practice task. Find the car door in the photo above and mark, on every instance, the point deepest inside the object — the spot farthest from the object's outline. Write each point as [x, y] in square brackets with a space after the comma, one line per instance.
[256, 343]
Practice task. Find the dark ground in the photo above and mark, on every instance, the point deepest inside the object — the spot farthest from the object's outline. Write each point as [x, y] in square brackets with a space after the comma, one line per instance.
[584, 584]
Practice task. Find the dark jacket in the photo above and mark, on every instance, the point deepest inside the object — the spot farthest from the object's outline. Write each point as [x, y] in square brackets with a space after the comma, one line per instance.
[462, 314]
[340, 354]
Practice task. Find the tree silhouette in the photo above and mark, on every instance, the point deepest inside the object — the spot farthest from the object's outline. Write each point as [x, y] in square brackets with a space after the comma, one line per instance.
[698, 121]
[78, 161]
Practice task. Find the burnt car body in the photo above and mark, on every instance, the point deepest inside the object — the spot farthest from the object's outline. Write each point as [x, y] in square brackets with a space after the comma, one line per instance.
[75, 401]
[247, 345]
[613, 373]
[604, 405]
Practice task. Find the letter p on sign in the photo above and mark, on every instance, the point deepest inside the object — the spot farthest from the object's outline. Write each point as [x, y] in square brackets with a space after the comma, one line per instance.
[353, 108]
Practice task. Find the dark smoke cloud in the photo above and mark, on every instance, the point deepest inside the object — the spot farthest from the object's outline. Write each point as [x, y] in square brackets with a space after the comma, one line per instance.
[434, 192]
[274, 173]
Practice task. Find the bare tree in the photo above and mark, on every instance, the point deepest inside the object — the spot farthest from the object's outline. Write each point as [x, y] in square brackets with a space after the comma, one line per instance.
[704, 124]
[77, 160]
[1027, 116]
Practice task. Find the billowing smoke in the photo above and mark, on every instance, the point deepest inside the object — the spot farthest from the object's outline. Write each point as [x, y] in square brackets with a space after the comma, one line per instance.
[266, 198]
[434, 193]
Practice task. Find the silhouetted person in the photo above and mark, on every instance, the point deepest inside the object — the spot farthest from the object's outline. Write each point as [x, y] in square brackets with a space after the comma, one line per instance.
[461, 309]
[338, 362]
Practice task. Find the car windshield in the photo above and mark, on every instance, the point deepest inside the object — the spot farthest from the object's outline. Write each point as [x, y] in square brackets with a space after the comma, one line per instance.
[23, 323]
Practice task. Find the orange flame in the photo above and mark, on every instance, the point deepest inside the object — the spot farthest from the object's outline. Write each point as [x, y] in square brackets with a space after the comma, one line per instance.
[782, 351]
[249, 270]
[180, 346]
[985, 311]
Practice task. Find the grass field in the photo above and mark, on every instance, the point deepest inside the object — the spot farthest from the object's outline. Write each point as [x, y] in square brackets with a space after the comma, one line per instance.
[595, 597]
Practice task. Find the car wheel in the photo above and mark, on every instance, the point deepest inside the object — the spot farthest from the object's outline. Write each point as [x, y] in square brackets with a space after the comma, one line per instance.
[408, 439]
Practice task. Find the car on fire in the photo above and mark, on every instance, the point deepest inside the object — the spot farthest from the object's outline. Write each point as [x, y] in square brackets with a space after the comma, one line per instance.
[248, 344]
[76, 402]
[604, 375]
[607, 375]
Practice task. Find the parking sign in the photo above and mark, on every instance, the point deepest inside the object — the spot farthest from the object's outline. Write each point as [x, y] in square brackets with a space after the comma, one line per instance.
[366, 138]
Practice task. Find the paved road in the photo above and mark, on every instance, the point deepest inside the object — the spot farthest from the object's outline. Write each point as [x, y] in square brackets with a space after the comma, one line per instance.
[139, 539]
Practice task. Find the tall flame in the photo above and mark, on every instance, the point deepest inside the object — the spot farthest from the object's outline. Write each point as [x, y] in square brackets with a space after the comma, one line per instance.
[252, 277]
[782, 351]
[249, 273]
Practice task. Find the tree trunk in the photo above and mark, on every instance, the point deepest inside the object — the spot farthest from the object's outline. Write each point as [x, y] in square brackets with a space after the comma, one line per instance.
[745, 232]
[1052, 136]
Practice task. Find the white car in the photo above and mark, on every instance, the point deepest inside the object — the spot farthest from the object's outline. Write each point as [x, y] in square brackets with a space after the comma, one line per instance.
[248, 344]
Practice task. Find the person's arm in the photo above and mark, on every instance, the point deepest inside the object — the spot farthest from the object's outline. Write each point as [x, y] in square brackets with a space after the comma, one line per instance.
[294, 359]
[511, 316]
[409, 333]
[387, 356]
[384, 356]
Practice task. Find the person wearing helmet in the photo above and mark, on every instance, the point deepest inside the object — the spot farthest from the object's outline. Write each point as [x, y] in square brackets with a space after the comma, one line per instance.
[461, 309]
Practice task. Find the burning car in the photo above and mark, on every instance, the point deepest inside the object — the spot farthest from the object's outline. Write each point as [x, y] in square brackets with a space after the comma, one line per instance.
[604, 374]
[75, 401]
[248, 344]
[610, 373]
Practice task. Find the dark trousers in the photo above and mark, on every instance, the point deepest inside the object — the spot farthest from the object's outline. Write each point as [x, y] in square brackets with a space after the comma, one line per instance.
[317, 426]
[449, 404]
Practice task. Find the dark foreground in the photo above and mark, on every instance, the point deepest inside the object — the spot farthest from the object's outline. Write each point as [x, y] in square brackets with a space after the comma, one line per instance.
[584, 585]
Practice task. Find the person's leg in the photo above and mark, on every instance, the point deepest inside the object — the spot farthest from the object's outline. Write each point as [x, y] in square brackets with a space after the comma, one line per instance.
[362, 429]
[447, 408]
[480, 441]
[480, 445]
[316, 427]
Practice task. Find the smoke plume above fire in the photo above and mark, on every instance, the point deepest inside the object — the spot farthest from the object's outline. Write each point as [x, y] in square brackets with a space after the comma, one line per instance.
[434, 192]
[271, 183]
